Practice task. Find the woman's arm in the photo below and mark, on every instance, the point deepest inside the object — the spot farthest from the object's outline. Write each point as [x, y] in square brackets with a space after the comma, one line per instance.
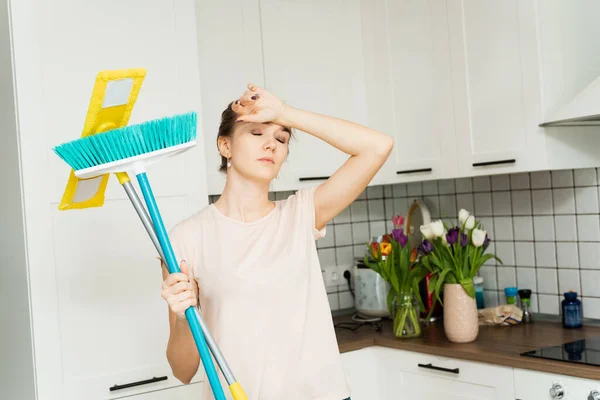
[368, 150]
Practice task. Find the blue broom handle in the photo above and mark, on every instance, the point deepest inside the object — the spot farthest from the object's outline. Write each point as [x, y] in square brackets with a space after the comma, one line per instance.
[171, 261]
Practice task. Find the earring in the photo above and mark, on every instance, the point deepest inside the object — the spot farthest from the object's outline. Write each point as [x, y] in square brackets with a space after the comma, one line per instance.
[228, 163]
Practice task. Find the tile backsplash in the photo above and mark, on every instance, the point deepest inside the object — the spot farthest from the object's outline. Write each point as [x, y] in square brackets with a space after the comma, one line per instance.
[545, 226]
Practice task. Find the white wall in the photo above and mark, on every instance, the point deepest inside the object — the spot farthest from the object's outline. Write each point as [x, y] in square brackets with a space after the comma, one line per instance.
[16, 360]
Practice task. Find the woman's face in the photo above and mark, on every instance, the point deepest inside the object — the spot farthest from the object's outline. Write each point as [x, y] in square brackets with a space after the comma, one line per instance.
[258, 150]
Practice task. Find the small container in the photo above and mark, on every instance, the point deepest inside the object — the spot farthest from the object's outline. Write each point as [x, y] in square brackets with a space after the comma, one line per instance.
[525, 296]
[571, 311]
[511, 295]
[478, 283]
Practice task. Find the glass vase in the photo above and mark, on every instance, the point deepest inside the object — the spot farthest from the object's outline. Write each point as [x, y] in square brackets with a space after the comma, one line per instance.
[406, 313]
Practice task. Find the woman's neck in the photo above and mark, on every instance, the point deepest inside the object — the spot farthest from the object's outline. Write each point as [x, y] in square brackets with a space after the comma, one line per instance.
[244, 200]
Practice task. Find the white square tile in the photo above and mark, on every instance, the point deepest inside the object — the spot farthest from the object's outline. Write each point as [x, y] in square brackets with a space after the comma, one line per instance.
[481, 184]
[363, 195]
[446, 186]
[344, 255]
[329, 239]
[388, 191]
[568, 255]
[389, 225]
[500, 182]
[414, 188]
[343, 235]
[524, 254]
[346, 300]
[360, 233]
[548, 304]
[590, 283]
[389, 209]
[483, 204]
[433, 204]
[343, 217]
[523, 227]
[359, 250]
[358, 210]
[489, 277]
[543, 228]
[503, 228]
[547, 281]
[507, 277]
[586, 199]
[326, 257]
[448, 206]
[563, 178]
[585, 177]
[464, 185]
[505, 251]
[487, 224]
[588, 227]
[399, 190]
[375, 192]
[492, 250]
[378, 228]
[490, 298]
[534, 303]
[568, 279]
[376, 210]
[502, 203]
[401, 206]
[542, 202]
[564, 201]
[526, 278]
[465, 201]
[430, 187]
[541, 180]
[545, 254]
[519, 181]
[589, 255]
[334, 302]
[565, 227]
[591, 308]
[521, 200]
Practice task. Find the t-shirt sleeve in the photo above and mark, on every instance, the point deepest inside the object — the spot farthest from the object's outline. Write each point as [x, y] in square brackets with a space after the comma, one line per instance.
[177, 237]
[306, 202]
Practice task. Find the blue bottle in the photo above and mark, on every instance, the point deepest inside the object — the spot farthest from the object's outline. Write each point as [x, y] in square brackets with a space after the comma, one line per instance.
[571, 311]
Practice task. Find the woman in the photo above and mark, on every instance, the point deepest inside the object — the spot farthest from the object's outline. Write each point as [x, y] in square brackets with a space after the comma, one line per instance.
[251, 263]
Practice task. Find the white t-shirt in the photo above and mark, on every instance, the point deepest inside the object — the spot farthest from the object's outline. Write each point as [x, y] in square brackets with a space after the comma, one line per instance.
[263, 298]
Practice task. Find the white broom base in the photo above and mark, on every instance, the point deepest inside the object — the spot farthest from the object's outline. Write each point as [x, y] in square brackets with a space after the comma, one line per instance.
[135, 164]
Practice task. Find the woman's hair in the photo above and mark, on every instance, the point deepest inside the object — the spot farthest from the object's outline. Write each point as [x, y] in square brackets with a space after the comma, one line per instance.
[228, 119]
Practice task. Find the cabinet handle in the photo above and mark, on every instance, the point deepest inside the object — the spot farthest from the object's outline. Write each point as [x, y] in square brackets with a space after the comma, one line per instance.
[485, 163]
[411, 171]
[314, 178]
[138, 383]
[429, 366]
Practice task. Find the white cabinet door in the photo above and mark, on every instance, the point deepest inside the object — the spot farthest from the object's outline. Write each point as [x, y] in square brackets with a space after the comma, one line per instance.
[230, 57]
[428, 377]
[187, 392]
[495, 75]
[313, 59]
[421, 85]
[361, 370]
[535, 385]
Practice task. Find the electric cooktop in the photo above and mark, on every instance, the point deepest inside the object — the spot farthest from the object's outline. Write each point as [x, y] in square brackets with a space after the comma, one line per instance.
[585, 351]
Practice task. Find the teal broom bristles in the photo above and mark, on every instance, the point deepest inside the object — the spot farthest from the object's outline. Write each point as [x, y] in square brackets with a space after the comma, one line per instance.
[129, 141]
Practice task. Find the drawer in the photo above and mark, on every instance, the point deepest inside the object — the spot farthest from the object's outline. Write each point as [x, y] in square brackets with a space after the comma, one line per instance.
[536, 385]
[193, 391]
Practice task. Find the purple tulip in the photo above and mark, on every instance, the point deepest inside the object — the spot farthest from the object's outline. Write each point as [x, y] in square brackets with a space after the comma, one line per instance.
[452, 236]
[464, 239]
[486, 242]
[426, 247]
[400, 237]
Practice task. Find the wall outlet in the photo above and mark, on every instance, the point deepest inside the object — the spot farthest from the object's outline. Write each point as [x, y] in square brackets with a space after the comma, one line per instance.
[333, 275]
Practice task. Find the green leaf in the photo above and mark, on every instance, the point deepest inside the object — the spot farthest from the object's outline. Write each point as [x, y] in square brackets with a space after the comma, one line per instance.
[390, 299]
[467, 284]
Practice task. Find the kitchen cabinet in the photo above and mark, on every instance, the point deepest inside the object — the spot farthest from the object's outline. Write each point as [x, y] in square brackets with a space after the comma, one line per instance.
[87, 282]
[383, 373]
[535, 385]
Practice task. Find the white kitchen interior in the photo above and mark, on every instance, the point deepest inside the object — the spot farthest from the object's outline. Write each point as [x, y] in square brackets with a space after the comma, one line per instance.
[494, 107]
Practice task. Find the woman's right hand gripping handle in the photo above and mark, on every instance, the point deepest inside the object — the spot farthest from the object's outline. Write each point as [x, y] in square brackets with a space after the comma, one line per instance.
[180, 292]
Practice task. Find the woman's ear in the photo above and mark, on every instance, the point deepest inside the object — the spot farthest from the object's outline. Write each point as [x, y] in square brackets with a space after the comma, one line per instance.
[224, 145]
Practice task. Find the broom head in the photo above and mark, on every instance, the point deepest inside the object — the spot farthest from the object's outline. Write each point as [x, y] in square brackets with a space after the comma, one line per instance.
[130, 148]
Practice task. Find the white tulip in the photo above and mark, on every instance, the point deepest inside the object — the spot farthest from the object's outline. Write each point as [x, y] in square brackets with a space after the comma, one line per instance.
[427, 231]
[444, 238]
[478, 237]
[463, 215]
[470, 222]
[438, 228]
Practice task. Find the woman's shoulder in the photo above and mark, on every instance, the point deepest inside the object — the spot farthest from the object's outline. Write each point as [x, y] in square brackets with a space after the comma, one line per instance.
[192, 223]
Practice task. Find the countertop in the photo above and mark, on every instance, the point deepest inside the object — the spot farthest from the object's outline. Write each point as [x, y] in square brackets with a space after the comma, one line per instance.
[500, 345]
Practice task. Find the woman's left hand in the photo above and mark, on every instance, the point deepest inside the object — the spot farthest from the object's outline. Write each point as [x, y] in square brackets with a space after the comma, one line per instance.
[259, 105]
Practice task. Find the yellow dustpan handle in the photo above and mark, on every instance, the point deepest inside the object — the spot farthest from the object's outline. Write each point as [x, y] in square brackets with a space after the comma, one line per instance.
[122, 177]
[237, 391]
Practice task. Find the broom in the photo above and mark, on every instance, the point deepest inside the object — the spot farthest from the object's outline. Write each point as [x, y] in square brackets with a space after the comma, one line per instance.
[133, 148]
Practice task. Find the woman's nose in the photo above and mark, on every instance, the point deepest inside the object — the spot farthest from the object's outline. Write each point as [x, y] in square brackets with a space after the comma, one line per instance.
[270, 144]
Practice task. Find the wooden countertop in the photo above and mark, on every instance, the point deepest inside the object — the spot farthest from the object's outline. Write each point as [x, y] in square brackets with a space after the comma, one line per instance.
[500, 345]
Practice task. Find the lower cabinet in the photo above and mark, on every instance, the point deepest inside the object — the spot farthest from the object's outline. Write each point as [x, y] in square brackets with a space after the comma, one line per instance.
[193, 391]
[534, 385]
